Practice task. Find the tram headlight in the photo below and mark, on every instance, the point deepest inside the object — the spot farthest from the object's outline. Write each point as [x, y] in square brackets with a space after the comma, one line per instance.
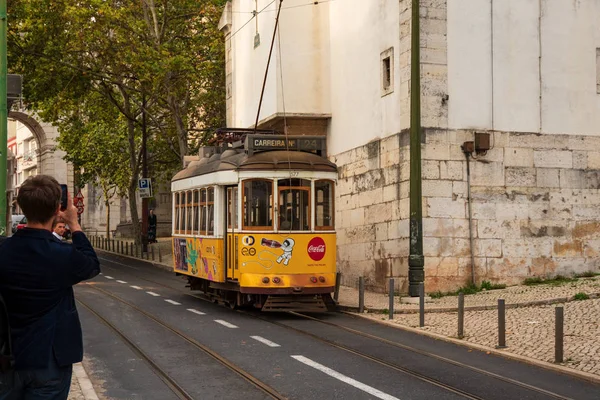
[265, 279]
[313, 279]
[322, 279]
[276, 279]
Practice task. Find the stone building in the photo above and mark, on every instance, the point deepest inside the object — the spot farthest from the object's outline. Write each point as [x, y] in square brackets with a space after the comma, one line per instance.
[523, 73]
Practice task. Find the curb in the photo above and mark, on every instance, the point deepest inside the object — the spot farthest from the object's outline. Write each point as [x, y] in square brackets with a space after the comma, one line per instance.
[153, 263]
[517, 357]
[556, 300]
[87, 388]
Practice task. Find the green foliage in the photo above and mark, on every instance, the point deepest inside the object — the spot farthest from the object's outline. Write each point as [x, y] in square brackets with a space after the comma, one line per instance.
[487, 285]
[556, 281]
[436, 295]
[587, 274]
[581, 296]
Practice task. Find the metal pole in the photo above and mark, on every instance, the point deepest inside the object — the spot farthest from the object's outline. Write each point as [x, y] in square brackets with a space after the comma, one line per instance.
[501, 324]
[461, 315]
[421, 304]
[145, 175]
[3, 116]
[391, 314]
[559, 334]
[159, 255]
[361, 295]
[336, 293]
[152, 249]
[416, 262]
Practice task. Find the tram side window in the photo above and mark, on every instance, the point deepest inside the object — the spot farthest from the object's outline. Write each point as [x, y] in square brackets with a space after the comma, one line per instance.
[232, 222]
[203, 211]
[176, 202]
[210, 211]
[188, 214]
[258, 204]
[181, 213]
[294, 204]
[324, 205]
[195, 225]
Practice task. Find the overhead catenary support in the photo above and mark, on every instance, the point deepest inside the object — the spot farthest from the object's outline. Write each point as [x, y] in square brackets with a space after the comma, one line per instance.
[416, 262]
[3, 117]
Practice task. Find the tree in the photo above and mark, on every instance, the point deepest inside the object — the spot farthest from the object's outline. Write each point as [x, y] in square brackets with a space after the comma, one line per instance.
[164, 60]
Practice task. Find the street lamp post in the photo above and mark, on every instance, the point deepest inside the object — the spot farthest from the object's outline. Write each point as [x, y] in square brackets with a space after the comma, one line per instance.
[3, 116]
[416, 262]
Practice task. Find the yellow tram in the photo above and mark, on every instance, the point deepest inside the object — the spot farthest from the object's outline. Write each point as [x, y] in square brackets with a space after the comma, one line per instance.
[253, 221]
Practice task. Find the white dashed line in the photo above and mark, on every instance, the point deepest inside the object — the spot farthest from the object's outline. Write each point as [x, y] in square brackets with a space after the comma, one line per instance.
[352, 382]
[121, 281]
[225, 323]
[153, 294]
[196, 311]
[101, 273]
[265, 341]
[136, 287]
[173, 302]
[108, 277]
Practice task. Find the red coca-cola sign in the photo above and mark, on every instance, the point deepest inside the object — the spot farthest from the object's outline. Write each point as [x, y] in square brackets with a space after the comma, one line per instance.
[316, 248]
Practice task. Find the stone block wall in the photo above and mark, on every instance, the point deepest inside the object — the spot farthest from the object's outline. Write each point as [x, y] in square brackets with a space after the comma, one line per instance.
[535, 209]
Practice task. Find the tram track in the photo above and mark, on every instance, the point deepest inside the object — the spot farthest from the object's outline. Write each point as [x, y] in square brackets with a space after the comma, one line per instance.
[161, 373]
[375, 359]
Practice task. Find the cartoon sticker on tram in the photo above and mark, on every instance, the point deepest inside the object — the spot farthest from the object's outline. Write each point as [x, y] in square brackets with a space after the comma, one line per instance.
[293, 252]
[199, 257]
[287, 246]
[180, 254]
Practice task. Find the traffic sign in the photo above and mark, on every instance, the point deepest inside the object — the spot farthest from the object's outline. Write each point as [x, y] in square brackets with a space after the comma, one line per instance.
[145, 187]
[80, 210]
[78, 201]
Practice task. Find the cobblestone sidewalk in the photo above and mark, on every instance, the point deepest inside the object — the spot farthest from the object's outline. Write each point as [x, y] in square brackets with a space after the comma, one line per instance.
[529, 328]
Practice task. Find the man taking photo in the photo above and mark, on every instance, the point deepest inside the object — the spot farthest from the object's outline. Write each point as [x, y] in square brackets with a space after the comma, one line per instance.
[58, 228]
[37, 274]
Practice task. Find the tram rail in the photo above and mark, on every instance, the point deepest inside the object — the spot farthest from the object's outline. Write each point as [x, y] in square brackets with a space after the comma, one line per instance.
[162, 374]
[416, 374]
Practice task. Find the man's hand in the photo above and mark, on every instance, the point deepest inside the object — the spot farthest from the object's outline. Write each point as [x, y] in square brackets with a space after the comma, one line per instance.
[70, 215]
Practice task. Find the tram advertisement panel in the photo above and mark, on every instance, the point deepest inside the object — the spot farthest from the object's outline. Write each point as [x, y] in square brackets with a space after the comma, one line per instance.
[199, 257]
[294, 253]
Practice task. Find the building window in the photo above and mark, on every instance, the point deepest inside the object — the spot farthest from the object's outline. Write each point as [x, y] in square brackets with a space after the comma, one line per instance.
[387, 71]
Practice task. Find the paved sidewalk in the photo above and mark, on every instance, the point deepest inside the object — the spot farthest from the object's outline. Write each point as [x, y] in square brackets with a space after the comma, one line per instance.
[81, 386]
[529, 319]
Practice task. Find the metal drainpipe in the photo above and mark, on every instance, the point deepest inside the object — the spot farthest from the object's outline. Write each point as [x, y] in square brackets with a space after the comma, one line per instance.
[468, 155]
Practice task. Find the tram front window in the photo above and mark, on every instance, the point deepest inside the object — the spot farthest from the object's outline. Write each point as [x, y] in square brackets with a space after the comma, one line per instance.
[258, 204]
[324, 204]
[294, 204]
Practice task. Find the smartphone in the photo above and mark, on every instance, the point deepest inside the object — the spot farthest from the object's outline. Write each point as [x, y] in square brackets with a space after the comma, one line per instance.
[63, 197]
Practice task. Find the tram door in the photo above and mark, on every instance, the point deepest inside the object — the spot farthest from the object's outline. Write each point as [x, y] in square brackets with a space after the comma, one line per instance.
[232, 229]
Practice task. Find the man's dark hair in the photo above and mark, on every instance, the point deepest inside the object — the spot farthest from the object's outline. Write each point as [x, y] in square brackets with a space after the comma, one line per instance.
[57, 220]
[39, 197]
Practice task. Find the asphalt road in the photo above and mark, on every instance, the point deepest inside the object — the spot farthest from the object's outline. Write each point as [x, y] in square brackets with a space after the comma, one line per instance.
[148, 337]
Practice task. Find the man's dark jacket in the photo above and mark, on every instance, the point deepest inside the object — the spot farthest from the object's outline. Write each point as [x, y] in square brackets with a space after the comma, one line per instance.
[37, 274]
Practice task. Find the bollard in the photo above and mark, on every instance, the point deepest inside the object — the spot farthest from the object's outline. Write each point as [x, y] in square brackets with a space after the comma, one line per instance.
[159, 255]
[336, 292]
[361, 294]
[559, 334]
[121, 246]
[421, 304]
[112, 245]
[391, 313]
[461, 315]
[501, 324]
[131, 249]
[152, 250]
[137, 251]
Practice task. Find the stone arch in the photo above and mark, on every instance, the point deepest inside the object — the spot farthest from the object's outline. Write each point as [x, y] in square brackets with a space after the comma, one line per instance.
[50, 161]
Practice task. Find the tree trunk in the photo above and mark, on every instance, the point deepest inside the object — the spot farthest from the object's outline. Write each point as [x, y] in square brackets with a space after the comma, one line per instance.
[107, 204]
[135, 219]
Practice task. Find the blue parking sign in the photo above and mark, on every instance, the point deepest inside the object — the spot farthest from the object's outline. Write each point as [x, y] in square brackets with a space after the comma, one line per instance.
[145, 187]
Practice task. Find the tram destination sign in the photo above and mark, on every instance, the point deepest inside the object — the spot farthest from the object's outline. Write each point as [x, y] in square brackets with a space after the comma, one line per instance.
[256, 143]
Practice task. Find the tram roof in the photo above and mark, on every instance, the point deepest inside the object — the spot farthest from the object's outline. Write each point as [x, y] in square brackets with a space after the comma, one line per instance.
[239, 160]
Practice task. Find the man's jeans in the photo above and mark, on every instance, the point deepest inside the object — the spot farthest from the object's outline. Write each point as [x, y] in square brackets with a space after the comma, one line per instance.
[45, 384]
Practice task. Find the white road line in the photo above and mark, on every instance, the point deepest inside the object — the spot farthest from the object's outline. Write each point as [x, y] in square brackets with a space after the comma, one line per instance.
[172, 302]
[153, 294]
[365, 388]
[101, 273]
[136, 287]
[196, 311]
[265, 341]
[121, 281]
[225, 323]
[108, 277]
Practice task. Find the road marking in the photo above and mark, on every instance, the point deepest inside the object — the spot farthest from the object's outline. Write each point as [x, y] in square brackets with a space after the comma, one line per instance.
[173, 302]
[359, 385]
[121, 281]
[136, 287]
[108, 277]
[101, 273]
[225, 323]
[196, 311]
[265, 341]
[153, 294]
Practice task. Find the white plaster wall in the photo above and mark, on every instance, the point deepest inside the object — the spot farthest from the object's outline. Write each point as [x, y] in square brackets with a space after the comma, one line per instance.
[304, 58]
[359, 31]
[570, 34]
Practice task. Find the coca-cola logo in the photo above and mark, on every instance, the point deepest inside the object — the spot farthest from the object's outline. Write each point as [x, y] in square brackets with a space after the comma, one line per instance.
[316, 248]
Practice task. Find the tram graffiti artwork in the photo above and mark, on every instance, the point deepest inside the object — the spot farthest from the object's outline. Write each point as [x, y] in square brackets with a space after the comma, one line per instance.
[253, 223]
